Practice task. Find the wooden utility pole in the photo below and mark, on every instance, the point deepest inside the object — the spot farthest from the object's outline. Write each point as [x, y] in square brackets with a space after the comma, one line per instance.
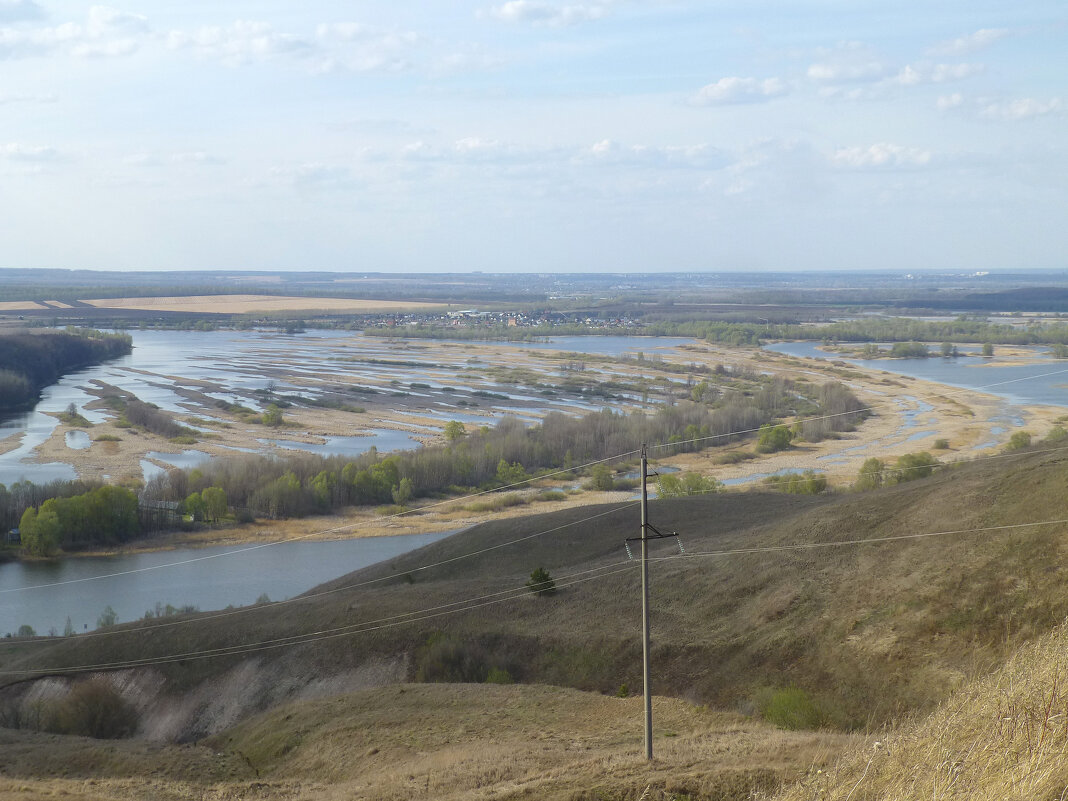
[645, 609]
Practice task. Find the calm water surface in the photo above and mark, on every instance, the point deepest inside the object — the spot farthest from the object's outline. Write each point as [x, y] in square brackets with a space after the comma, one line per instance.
[166, 365]
[210, 579]
[1045, 382]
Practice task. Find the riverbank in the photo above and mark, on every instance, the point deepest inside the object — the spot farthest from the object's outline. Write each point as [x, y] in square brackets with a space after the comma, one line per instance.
[908, 415]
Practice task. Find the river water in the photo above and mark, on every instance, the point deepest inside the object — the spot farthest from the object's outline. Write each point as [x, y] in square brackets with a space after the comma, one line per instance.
[1044, 382]
[45, 594]
[166, 366]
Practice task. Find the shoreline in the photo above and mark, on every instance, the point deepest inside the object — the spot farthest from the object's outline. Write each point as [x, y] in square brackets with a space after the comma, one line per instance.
[909, 415]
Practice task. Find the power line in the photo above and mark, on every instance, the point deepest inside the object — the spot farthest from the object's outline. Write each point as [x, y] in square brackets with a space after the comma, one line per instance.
[477, 602]
[310, 637]
[803, 546]
[202, 618]
[154, 626]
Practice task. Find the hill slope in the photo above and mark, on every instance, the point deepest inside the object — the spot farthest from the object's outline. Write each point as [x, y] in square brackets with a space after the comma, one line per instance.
[1001, 738]
[865, 632]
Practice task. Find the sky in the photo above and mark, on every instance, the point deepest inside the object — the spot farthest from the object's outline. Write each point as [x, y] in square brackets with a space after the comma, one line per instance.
[534, 135]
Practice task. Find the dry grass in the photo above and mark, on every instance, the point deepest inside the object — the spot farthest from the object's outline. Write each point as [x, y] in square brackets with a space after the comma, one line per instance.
[21, 305]
[448, 742]
[245, 304]
[1002, 738]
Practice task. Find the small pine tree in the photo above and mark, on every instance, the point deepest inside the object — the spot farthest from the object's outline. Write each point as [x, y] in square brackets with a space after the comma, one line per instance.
[541, 583]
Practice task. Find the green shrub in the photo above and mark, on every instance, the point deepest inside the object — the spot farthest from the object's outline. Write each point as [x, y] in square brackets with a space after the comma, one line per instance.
[941, 444]
[790, 708]
[871, 474]
[107, 618]
[675, 486]
[1019, 441]
[602, 478]
[909, 350]
[107, 438]
[773, 438]
[1056, 434]
[499, 676]
[806, 483]
[911, 466]
[541, 583]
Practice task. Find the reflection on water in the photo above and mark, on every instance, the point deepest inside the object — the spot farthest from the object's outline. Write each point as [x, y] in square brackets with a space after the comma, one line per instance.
[78, 440]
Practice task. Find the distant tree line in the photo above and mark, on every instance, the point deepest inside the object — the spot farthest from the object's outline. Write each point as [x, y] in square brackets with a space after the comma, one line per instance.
[303, 484]
[71, 515]
[883, 329]
[29, 362]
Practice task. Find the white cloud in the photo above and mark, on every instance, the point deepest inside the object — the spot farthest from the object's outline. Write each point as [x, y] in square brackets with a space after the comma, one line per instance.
[972, 42]
[18, 152]
[539, 13]
[475, 150]
[334, 47]
[240, 42]
[741, 90]
[105, 32]
[608, 151]
[20, 10]
[946, 102]
[829, 72]
[914, 75]
[1022, 109]
[881, 155]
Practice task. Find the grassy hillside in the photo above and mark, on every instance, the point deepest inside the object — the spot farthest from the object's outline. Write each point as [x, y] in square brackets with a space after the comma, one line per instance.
[1001, 738]
[449, 742]
[844, 636]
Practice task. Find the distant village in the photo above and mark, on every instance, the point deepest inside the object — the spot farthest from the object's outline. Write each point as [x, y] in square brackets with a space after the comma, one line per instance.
[473, 318]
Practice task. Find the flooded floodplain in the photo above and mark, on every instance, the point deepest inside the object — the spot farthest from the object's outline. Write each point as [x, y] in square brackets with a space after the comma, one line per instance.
[342, 393]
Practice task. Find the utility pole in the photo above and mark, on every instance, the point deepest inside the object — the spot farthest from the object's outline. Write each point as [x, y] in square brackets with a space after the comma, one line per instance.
[645, 609]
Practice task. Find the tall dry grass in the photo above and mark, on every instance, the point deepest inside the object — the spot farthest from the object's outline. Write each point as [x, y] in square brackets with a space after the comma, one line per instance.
[1001, 738]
